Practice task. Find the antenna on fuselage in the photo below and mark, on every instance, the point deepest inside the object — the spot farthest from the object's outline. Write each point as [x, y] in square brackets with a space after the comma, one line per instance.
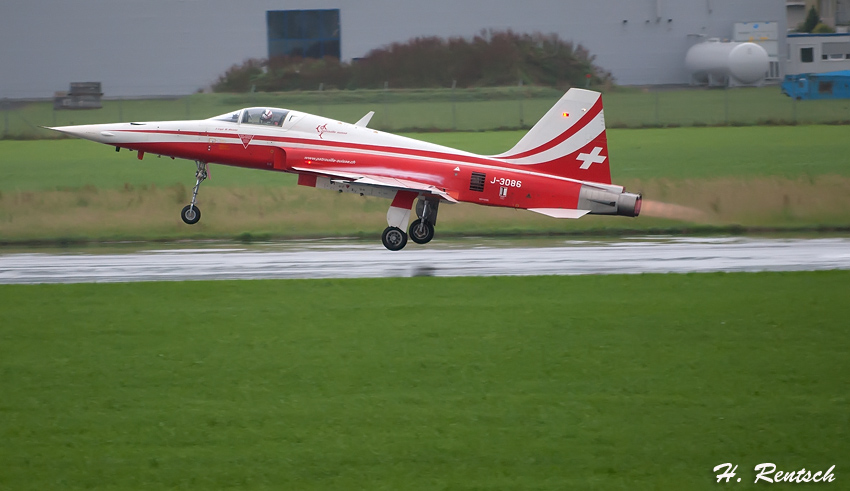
[364, 121]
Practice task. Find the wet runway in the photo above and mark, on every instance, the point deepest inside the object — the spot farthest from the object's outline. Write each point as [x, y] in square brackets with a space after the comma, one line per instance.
[484, 257]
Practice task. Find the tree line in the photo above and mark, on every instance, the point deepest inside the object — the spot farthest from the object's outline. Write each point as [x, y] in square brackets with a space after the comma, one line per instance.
[489, 59]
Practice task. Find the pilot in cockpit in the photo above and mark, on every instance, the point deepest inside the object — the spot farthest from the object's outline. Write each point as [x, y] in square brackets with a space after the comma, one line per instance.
[267, 117]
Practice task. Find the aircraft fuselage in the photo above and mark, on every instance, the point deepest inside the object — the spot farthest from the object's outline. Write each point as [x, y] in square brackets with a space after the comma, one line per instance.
[559, 169]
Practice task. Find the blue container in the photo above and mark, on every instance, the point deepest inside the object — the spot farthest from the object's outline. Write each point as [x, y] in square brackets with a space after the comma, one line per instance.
[829, 85]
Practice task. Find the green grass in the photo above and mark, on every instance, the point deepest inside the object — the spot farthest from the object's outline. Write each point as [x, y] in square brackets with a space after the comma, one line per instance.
[745, 178]
[475, 110]
[673, 153]
[704, 153]
[699, 153]
[72, 164]
[700, 107]
[471, 110]
[612, 382]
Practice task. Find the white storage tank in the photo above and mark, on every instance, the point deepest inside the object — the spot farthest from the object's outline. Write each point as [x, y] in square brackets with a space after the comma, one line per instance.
[715, 62]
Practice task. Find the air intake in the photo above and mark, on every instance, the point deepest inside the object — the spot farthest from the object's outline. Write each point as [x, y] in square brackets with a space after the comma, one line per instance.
[476, 183]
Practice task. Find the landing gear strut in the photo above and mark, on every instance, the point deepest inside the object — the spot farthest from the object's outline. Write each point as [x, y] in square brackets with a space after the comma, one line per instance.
[422, 229]
[191, 213]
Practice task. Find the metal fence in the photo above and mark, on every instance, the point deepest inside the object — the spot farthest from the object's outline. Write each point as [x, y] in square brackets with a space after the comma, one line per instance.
[449, 109]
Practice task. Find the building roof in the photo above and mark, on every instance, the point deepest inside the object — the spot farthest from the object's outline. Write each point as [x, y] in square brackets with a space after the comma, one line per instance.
[838, 73]
[812, 35]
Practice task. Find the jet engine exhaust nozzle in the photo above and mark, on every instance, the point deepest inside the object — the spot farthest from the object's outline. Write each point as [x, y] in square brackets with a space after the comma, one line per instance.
[605, 202]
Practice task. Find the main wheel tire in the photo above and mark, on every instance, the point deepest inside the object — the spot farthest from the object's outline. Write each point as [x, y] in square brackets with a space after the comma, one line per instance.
[190, 214]
[421, 231]
[394, 238]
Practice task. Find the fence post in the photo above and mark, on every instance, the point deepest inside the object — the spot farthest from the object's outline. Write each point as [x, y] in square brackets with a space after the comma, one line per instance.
[321, 98]
[521, 108]
[454, 109]
[657, 110]
[794, 109]
[384, 109]
[5, 118]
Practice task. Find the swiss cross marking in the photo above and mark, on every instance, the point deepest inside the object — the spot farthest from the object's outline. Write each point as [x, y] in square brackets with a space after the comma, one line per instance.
[591, 158]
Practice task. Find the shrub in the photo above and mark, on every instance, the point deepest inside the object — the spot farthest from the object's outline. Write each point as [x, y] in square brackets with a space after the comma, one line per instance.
[812, 20]
[240, 78]
[822, 28]
[492, 58]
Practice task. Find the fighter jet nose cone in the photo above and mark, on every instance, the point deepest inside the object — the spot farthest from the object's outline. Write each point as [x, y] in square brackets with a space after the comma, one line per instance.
[95, 132]
[67, 130]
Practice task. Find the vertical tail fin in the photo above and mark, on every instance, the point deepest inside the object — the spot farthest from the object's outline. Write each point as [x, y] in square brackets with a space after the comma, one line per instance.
[568, 141]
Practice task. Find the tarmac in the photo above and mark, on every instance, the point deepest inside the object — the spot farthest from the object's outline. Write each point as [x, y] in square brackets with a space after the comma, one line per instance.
[353, 258]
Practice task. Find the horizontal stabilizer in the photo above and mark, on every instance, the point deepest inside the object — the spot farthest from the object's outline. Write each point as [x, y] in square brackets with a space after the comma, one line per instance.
[560, 212]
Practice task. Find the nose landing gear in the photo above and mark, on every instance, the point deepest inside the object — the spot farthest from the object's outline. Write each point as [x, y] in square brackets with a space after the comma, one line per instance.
[191, 213]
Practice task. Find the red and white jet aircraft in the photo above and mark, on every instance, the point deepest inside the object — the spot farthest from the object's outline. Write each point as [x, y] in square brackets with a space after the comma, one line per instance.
[559, 168]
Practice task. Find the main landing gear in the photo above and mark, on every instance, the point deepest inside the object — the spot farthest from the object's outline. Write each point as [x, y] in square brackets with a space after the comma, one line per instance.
[394, 238]
[421, 230]
[191, 213]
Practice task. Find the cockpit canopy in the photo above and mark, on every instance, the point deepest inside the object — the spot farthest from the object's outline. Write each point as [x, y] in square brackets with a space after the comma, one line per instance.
[269, 116]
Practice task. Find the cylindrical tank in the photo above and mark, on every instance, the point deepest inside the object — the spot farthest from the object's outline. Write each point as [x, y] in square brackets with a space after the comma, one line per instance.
[747, 63]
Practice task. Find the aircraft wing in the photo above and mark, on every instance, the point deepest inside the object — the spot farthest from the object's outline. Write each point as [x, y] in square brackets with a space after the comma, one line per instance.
[377, 181]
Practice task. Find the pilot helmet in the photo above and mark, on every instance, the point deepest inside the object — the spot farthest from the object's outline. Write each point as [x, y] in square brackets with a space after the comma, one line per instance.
[267, 115]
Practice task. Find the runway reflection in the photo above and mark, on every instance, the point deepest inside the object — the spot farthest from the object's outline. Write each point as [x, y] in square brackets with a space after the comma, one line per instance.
[332, 259]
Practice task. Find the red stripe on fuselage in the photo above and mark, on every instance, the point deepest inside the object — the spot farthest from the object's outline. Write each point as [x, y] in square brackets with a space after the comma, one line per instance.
[429, 154]
[524, 188]
[253, 156]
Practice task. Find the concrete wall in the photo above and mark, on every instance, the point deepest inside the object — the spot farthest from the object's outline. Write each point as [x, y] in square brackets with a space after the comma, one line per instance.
[168, 47]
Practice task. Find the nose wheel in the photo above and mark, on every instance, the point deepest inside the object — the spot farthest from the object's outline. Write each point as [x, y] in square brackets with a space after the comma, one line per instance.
[191, 213]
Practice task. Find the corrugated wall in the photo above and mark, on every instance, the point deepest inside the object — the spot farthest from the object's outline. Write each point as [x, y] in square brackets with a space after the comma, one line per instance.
[167, 47]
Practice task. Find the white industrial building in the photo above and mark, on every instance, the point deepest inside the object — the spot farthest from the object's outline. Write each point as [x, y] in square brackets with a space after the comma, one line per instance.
[174, 47]
[817, 53]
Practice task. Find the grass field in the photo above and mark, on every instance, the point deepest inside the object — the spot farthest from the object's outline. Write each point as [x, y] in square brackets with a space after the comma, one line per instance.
[614, 382]
[443, 109]
[672, 153]
[791, 177]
